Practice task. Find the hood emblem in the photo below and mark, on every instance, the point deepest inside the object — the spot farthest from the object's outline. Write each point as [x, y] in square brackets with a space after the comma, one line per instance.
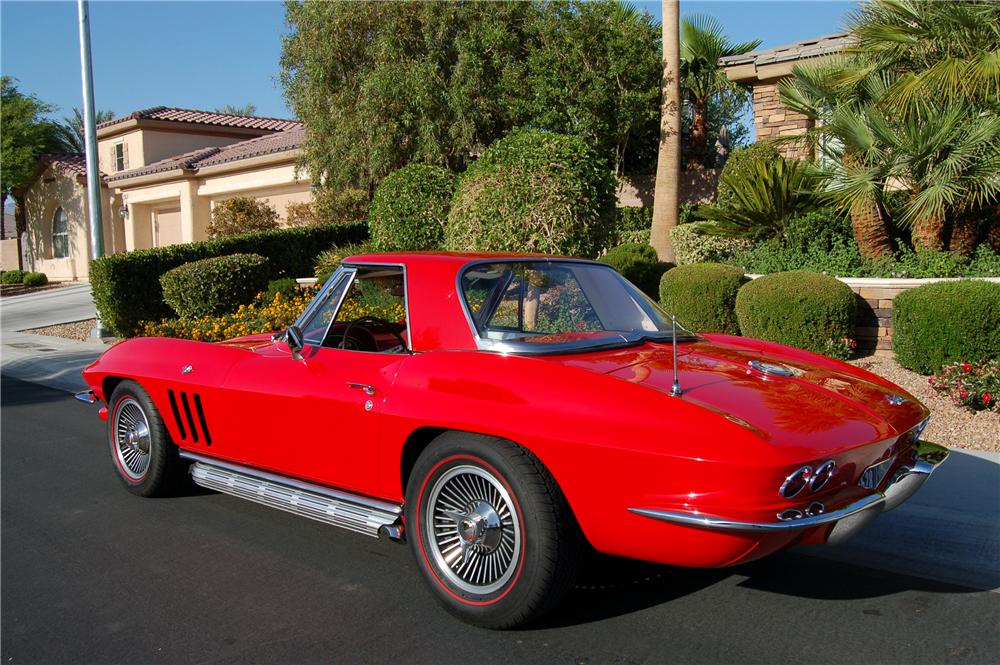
[895, 400]
[186, 369]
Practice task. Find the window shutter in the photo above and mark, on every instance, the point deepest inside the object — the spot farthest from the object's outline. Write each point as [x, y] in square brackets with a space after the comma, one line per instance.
[124, 156]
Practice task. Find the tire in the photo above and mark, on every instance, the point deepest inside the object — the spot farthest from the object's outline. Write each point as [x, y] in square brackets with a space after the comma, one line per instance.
[490, 530]
[142, 453]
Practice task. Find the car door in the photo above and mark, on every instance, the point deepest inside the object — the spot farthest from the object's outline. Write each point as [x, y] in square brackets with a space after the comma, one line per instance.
[315, 415]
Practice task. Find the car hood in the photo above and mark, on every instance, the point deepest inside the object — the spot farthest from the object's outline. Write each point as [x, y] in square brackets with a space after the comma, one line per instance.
[826, 405]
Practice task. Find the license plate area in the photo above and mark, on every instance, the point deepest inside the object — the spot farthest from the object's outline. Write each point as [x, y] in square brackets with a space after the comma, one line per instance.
[872, 477]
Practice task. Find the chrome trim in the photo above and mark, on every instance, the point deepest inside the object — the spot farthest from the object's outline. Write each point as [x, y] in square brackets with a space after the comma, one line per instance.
[908, 479]
[820, 477]
[722, 524]
[367, 389]
[87, 396]
[790, 477]
[351, 274]
[771, 369]
[343, 509]
[614, 340]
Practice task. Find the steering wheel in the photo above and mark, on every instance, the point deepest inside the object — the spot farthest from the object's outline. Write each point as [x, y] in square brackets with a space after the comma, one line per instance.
[370, 319]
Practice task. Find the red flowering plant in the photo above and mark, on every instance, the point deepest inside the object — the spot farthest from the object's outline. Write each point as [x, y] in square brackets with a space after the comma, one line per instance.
[974, 385]
[842, 349]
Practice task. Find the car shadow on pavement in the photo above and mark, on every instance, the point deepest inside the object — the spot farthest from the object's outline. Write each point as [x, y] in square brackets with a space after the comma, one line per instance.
[612, 587]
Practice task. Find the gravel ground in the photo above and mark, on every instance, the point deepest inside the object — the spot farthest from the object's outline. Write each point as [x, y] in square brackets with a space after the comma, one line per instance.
[21, 289]
[78, 330]
[952, 426]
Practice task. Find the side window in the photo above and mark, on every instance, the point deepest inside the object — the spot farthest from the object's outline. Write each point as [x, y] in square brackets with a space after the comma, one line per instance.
[544, 301]
[314, 329]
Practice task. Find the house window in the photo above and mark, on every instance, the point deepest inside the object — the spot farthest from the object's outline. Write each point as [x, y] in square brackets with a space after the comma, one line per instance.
[60, 235]
[120, 152]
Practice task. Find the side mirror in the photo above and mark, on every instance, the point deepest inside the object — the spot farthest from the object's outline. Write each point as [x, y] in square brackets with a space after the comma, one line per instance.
[293, 337]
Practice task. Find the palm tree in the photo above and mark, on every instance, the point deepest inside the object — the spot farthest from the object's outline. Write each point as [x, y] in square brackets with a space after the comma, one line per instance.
[668, 162]
[70, 133]
[245, 110]
[702, 44]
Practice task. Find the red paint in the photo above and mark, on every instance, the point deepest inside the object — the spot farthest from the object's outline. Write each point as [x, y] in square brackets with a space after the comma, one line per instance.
[602, 422]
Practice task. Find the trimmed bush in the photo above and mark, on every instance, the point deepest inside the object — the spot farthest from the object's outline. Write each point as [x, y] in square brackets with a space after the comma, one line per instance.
[241, 214]
[328, 261]
[693, 244]
[639, 264]
[534, 191]
[12, 277]
[703, 296]
[339, 207]
[35, 279]
[410, 208]
[945, 322]
[739, 165]
[214, 286]
[126, 285]
[805, 309]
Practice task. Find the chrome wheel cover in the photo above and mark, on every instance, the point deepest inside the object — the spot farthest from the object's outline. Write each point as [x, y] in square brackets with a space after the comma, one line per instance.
[131, 439]
[472, 530]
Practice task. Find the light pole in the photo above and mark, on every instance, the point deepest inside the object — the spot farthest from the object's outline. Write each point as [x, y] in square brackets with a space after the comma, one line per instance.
[90, 141]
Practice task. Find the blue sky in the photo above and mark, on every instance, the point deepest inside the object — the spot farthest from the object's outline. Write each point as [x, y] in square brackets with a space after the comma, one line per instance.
[206, 54]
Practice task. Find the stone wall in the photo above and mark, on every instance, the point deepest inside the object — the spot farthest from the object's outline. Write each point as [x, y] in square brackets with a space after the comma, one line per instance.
[772, 119]
[695, 187]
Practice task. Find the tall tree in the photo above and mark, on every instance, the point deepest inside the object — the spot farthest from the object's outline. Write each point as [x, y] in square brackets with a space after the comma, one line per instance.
[702, 43]
[247, 109]
[25, 135]
[668, 163]
[70, 131]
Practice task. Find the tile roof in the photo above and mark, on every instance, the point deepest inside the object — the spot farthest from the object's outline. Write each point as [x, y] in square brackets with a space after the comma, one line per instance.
[196, 159]
[71, 164]
[807, 48]
[206, 118]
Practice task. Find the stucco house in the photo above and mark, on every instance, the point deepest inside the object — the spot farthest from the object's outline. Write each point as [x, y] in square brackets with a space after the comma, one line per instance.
[162, 170]
[764, 69]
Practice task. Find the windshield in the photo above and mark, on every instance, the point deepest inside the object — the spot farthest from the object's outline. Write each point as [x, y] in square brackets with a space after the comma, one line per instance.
[553, 306]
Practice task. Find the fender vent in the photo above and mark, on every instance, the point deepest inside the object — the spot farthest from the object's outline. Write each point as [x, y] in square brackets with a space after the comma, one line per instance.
[188, 418]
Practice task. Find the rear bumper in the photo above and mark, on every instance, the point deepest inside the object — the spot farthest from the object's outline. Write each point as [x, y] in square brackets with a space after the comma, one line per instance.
[847, 521]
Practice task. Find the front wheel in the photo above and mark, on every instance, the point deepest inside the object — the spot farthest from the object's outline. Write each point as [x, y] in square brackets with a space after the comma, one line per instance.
[490, 530]
[141, 450]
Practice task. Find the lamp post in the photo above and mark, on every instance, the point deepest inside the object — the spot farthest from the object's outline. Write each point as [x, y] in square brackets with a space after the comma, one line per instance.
[90, 141]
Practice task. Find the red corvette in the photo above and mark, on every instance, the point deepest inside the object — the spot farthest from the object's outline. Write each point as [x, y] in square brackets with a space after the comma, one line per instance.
[501, 412]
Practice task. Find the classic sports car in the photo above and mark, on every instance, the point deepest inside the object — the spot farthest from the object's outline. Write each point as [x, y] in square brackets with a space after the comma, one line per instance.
[502, 412]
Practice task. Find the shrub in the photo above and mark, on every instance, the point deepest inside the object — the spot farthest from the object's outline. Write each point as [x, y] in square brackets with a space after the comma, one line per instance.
[340, 207]
[946, 322]
[286, 286]
[214, 286]
[738, 164]
[703, 296]
[329, 260]
[410, 208]
[763, 197]
[639, 264]
[12, 277]
[299, 213]
[126, 285]
[976, 386]
[35, 279]
[692, 244]
[241, 214]
[799, 308]
[534, 191]
[266, 314]
[632, 225]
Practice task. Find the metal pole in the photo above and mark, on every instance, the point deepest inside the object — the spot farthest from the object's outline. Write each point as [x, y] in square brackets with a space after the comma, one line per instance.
[90, 139]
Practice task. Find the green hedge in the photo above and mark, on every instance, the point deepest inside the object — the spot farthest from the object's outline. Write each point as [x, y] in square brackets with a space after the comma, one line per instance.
[693, 244]
[799, 308]
[126, 286]
[534, 191]
[12, 277]
[639, 264]
[214, 286]
[35, 279]
[703, 296]
[410, 208]
[945, 322]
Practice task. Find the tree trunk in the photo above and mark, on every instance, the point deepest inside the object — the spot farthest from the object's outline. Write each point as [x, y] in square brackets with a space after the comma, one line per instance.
[993, 234]
[3, 210]
[668, 162]
[870, 231]
[19, 224]
[698, 145]
[928, 234]
[964, 233]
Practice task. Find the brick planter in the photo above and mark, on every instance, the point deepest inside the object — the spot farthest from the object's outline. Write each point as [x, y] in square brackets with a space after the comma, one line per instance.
[875, 296]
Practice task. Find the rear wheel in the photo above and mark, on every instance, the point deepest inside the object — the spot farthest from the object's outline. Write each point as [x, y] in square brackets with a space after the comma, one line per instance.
[490, 530]
[141, 450]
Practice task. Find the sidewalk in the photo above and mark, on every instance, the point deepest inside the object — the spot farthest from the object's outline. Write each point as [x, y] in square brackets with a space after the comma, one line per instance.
[51, 361]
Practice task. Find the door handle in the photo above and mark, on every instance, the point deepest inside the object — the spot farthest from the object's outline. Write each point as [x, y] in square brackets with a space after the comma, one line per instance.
[368, 390]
